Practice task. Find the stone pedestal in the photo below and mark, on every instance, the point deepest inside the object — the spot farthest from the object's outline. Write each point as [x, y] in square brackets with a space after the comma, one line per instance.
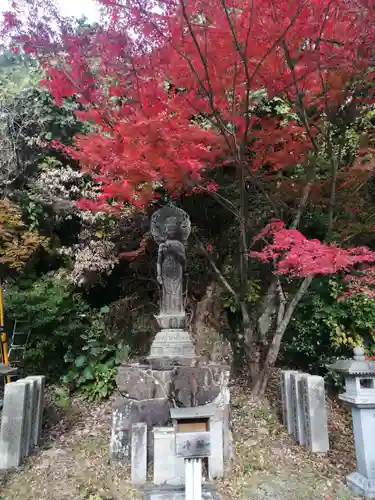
[363, 480]
[172, 343]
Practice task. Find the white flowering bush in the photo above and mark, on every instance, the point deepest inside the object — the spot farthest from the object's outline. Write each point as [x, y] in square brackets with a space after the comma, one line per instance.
[62, 186]
[91, 261]
[95, 255]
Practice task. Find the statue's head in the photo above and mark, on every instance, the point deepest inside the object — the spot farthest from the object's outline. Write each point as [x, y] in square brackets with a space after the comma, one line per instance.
[172, 229]
[170, 223]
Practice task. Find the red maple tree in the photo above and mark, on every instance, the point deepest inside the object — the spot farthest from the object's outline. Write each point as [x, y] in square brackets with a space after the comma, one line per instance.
[172, 89]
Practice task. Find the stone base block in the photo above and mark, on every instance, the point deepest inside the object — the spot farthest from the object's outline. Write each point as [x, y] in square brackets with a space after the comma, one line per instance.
[361, 485]
[185, 385]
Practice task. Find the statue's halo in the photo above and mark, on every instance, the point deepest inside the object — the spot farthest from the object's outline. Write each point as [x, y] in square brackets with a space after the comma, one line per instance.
[160, 217]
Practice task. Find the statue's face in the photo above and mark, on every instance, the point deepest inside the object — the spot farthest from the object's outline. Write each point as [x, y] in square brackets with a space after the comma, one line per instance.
[171, 228]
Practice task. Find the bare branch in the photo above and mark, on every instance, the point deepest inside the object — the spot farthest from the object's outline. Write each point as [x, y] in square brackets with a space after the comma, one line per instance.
[221, 277]
[306, 193]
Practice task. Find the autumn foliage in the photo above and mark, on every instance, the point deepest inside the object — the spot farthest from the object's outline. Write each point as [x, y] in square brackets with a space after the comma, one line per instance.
[145, 92]
[173, 90]
[152, 72]
[17, 243]
[299, 257]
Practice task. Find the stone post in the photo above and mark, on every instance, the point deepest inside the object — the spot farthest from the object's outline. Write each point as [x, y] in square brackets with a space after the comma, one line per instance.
[312, 398]
[216, 460]
[360, 395]
[297, 409]
[168, 468]
[13, 429]
[139, 454]
[29, 414]
[38, 401]
[286, 399]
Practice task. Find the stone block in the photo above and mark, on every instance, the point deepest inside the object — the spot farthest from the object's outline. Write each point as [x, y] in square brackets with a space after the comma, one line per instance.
[38, 407]
[315, 414]
[361, 485]
[126, 412]
[168, 468]
[139, 454]
[187, 385]
[141, 382]
[286, 399]
[13, 428]
[297, 408]
[195, 386]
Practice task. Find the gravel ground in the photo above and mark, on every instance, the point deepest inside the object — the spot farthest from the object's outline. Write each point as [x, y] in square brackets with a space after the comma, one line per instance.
[268, 465]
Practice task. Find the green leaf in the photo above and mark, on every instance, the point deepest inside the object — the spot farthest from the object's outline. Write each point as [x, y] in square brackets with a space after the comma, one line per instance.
[80, 361]
[81, 380]
[69, 377]
[88, 373]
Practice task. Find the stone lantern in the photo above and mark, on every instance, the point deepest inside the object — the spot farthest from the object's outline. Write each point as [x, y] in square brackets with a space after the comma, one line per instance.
[359, 393]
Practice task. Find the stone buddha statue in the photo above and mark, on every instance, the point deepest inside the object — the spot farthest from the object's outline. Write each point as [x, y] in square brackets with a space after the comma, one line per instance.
[170, 269]
[170, 227]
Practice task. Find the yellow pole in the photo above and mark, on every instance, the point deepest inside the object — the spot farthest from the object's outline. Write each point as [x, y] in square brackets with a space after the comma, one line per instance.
[4, 347]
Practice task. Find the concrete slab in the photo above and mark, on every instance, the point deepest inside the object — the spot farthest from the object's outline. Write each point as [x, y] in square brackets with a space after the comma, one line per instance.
[176, 493]
[7, 370]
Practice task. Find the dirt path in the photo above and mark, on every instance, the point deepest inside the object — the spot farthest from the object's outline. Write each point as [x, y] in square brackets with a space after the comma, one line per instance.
[73, 464]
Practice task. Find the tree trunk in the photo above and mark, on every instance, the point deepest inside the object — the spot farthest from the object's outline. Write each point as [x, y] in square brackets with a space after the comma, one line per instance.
[263, 346]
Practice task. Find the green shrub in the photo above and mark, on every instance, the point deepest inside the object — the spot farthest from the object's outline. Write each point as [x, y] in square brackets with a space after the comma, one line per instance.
[56, 317]
[93, 369]
[60, 397]
[328, 325]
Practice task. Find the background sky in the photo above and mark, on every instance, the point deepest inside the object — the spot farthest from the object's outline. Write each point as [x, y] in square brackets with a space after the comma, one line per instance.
[75, 8]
